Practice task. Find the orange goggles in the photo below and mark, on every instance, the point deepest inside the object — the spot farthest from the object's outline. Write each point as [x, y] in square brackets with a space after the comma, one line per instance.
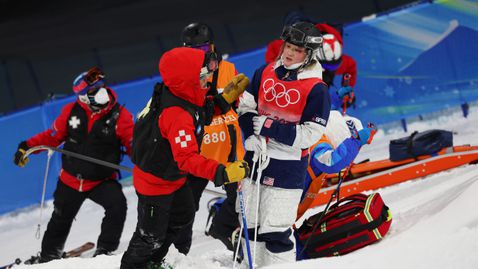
[94, 75]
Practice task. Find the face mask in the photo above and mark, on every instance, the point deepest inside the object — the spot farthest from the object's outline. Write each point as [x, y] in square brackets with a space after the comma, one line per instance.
[100, 98]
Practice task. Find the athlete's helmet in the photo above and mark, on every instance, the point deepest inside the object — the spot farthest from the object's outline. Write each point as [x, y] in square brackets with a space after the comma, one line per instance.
[93, 78]
[196, 34]
[90, 88]
[302, 34]
[330, 55]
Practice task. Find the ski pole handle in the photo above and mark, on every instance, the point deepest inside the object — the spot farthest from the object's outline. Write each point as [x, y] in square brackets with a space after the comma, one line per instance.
[346, 79]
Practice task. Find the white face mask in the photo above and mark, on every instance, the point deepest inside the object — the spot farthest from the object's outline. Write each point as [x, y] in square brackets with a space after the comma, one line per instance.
[102, 97]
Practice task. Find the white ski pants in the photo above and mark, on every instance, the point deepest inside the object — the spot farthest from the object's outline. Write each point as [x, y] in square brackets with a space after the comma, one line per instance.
[277, 214]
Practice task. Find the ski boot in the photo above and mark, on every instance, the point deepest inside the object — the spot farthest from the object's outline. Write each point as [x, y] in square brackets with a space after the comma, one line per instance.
[159, 265]
[235, 241]
[213, 206]
[33, 260]
[102, 251]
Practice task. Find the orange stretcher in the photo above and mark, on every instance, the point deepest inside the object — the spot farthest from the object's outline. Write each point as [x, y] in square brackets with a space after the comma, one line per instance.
[378, 174]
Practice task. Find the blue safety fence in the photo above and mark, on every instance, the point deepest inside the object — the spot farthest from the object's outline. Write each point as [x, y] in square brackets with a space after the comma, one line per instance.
[23, 186]
[410, 62]
[415, 61]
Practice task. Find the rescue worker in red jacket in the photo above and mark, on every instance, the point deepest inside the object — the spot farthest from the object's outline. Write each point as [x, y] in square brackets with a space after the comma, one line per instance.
[94, 125]
[166, 142]
[222, 141]
[334, 62]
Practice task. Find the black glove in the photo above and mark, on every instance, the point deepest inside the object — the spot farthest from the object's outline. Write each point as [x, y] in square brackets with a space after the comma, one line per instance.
[19, 159]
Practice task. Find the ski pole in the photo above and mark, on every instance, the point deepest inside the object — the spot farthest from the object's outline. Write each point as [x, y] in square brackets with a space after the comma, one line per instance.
[79, 156]
[316, 224]
[243, 226]
[236, 252]
[256, 221]
[45, 178]
[262, 162]
[349, 96]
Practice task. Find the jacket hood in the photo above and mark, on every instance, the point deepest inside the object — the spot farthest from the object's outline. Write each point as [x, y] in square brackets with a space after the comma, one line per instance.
[180, 69]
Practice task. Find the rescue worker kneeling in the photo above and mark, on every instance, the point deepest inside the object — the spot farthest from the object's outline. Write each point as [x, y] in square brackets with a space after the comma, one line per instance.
[166, 141]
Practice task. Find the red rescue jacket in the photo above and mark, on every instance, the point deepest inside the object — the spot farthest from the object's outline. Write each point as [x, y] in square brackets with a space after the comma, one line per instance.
[58, 133]
[179, 68]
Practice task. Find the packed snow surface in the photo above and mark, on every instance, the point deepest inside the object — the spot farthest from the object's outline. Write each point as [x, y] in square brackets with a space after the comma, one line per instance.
[435, 221]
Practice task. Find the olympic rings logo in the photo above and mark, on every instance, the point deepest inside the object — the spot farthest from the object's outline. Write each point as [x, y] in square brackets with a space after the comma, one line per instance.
[277, 92]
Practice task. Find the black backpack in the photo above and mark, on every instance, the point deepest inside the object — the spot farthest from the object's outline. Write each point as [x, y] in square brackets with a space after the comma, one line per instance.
[420, 143]
[151, 152]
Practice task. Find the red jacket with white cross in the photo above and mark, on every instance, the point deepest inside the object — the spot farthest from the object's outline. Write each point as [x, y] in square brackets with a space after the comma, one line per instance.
[58, 133]
[180, 69]
[177, 126]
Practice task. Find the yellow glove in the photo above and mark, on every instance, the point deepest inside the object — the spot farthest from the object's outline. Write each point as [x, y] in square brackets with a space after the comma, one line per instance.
[235, 88]
[236, 171]
[18, 158]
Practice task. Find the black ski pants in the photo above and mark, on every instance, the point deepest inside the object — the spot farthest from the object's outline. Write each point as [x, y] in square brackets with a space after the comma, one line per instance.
[225, 221]
[184, 240]
[160, 220]
[67, 202]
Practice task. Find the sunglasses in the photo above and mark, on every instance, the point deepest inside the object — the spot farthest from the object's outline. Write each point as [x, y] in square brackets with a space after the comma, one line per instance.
[203, 47]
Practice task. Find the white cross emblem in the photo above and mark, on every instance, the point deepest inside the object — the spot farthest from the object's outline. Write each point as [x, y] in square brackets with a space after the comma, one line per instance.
[74, 122]
[182, 139]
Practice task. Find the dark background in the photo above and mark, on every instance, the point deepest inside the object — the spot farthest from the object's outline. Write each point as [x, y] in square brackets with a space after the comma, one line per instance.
[44, 45]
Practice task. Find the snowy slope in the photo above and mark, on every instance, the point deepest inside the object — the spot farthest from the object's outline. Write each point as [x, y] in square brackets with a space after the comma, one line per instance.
[435, 221]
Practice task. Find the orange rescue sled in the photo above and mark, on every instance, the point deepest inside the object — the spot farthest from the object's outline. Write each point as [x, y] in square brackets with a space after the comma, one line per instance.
[378, 174]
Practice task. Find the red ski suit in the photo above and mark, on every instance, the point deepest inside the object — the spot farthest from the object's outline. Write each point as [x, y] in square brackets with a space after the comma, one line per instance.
[180, 72]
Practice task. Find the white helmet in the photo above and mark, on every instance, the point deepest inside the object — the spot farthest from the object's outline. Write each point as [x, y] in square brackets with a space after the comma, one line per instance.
[330, 54]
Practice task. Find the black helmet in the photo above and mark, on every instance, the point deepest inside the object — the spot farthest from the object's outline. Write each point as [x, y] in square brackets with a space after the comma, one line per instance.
[197, 34]
[302, 34]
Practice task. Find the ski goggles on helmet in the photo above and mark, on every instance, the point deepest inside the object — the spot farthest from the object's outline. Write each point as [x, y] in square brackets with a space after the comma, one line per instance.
[93, 78]
[299, 38]
[94, 75]
[204, 47]
[210, 65]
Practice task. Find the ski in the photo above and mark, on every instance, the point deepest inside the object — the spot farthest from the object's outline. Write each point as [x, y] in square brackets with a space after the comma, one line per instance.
[76, 252]
[17, 261]
[79, 250]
